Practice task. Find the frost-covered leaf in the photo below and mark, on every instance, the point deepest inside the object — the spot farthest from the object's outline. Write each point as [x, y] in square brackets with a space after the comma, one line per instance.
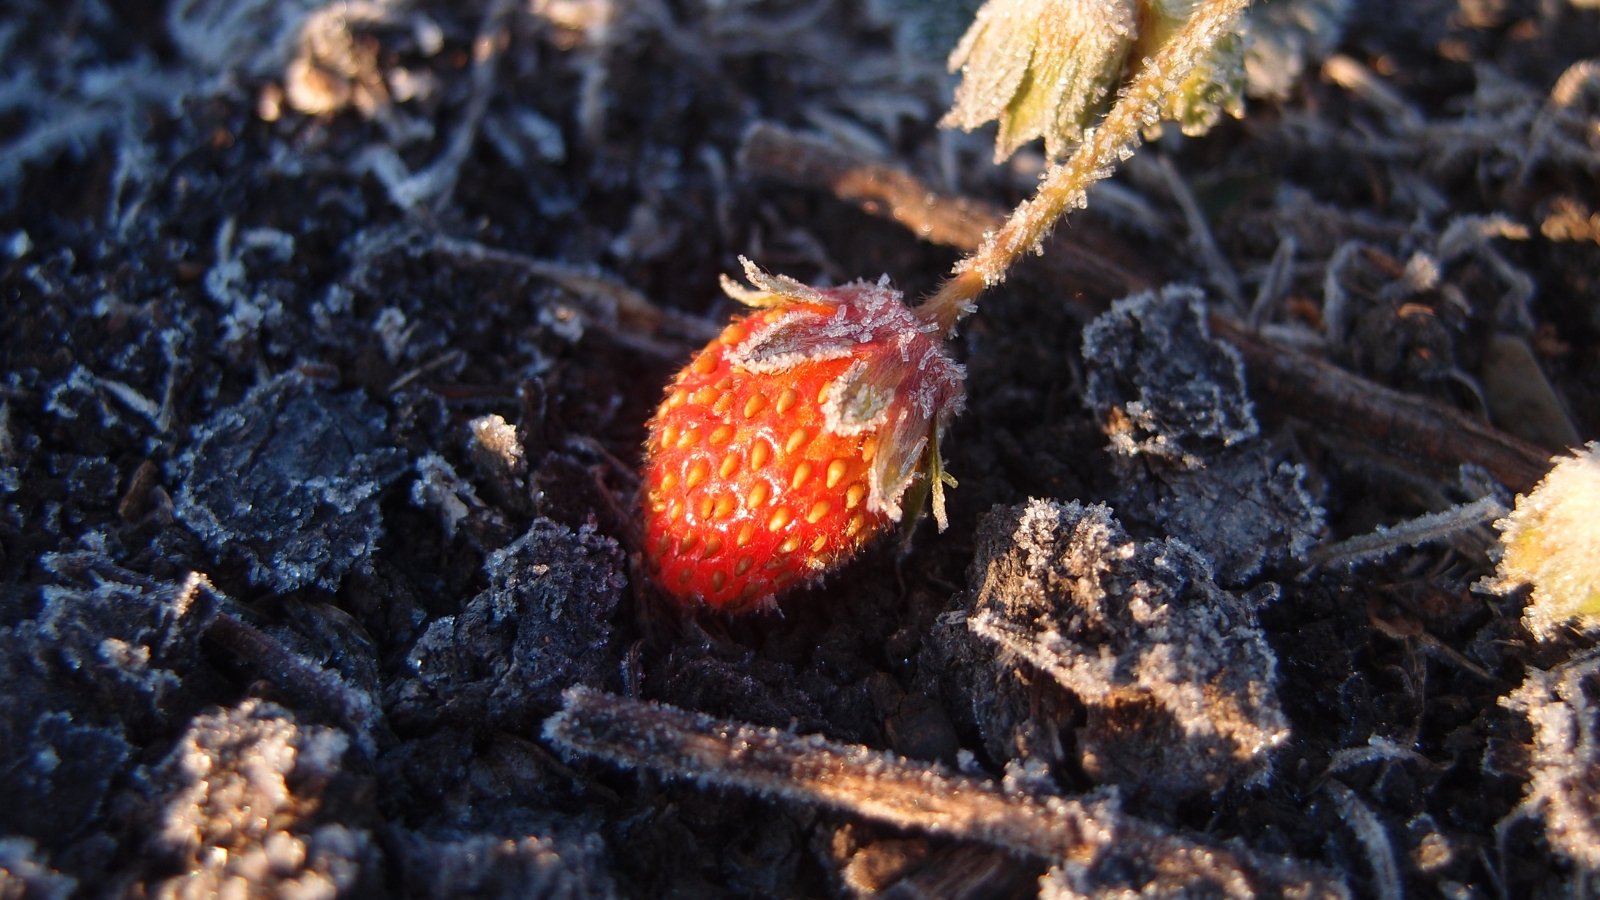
[789, 341]
[1286, 36]
[1041, 69]
[1213, 88]
[1051, 69]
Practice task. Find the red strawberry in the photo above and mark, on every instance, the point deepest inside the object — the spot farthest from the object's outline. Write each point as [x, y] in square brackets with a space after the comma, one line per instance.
[791, 439]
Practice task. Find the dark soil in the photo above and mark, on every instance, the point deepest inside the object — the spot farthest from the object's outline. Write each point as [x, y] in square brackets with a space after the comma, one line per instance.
[327, 341]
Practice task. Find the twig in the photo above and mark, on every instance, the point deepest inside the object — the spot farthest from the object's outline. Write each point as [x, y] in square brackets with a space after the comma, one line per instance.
[1420, 530]
[771, 151]
[778, 154]
[1081, 836]
[1221, 273]
[295, 675]
[1404, 425]
[1360, 80]
[1274, 281]
[603, 299]
[1369, 830]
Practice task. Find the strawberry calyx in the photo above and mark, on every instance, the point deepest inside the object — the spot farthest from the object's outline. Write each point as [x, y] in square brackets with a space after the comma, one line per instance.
[900, 387]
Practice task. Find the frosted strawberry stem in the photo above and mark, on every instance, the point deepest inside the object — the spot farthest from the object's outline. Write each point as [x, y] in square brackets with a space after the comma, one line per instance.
[1065, 184]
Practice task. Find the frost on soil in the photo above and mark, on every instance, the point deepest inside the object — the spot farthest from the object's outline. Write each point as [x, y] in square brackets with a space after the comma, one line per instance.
[287, 481]
[486, 865]
[22, 874]
[543, 625]
[1185, 439]
[250, 799]
[1176, 677]
[100, 632]
[462, 208]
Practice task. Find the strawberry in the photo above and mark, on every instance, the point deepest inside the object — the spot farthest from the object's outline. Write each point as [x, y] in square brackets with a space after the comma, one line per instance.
[791, 440]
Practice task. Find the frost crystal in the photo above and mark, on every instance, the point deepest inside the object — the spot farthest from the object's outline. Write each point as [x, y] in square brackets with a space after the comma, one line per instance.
[1213, 88]
[852, 404]
[439, 488]
[288, 480]
[543, 625]
[1178, 679]
[1552, 541]
[1184, 434]
[249, 798]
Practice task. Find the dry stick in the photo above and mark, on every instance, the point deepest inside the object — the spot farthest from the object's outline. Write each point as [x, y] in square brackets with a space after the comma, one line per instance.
[1401, 425]
[1436, 526]
[1404, 425]
[1064, 185]
[712, 752]
[794, 158]
[789, 157]
[322, 689]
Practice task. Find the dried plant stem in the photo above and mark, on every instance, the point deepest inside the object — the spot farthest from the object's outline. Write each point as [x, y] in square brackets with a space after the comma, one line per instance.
[1403, 426]
[1422, 529]
[310, 686]
[1064, 186]
[1076, 834]
[774, 153]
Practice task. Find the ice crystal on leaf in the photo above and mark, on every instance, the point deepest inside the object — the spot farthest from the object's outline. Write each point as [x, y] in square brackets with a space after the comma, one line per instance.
[1051, 69]
[1040, 69]
[1551, 541]
[1213, 87]
[900, 384]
